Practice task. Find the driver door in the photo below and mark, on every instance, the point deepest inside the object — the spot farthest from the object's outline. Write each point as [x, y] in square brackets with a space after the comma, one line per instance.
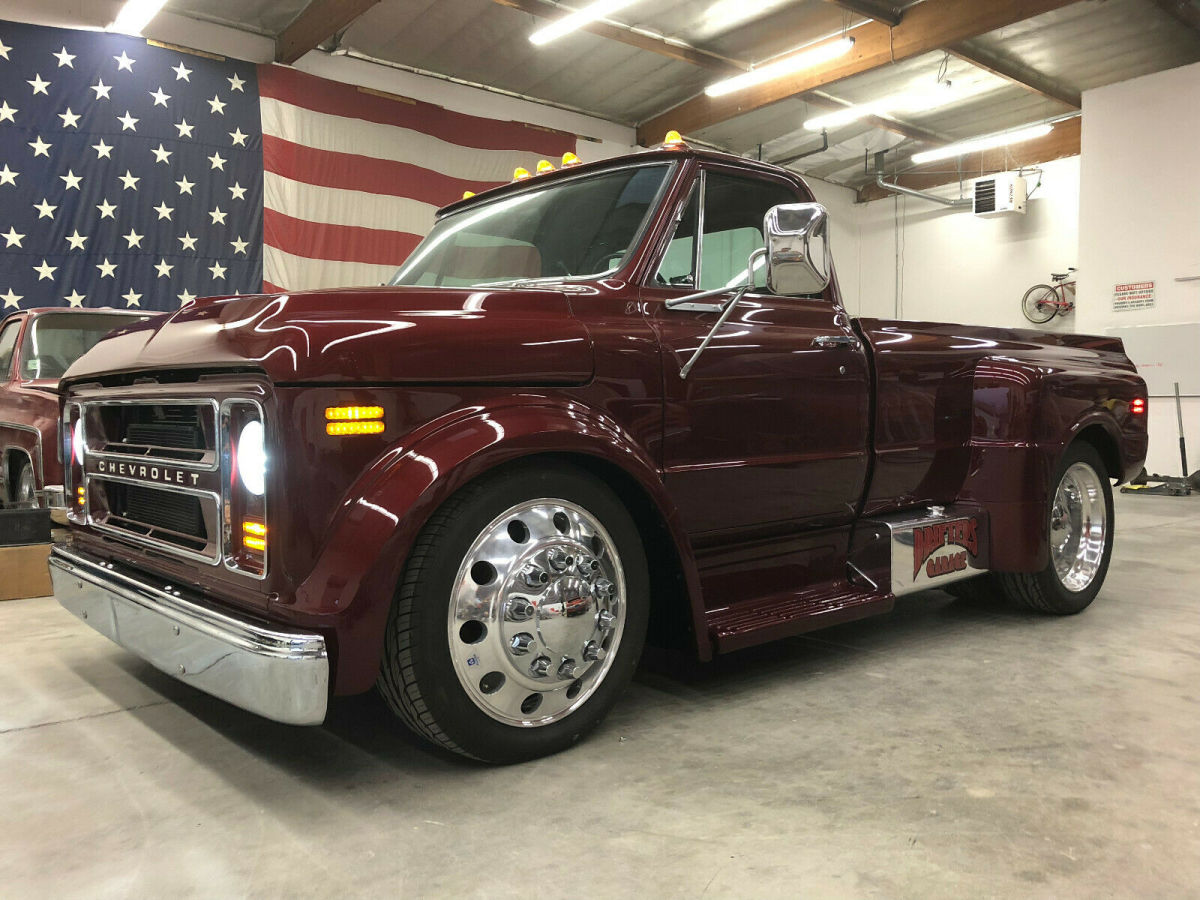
[768, 432]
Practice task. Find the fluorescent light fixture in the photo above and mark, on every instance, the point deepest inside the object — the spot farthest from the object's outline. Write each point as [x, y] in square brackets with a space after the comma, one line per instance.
[786, 66]
[136, 15]
[576, 20]
[983, 143]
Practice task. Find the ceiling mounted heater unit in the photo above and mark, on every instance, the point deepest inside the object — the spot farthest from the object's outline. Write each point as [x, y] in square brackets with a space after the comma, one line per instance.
[999, 195]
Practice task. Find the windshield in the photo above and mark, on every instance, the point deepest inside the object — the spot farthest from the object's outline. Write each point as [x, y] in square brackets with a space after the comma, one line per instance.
[53, 342]
[576, 228]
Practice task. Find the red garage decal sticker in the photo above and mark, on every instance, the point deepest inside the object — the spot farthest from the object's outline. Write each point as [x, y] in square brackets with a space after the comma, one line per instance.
[929, 539]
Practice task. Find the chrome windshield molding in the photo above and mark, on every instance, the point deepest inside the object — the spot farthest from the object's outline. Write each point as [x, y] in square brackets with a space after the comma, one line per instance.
[209, 465]
[281, 675]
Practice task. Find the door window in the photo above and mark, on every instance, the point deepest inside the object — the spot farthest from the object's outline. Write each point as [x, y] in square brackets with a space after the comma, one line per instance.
[8, 342]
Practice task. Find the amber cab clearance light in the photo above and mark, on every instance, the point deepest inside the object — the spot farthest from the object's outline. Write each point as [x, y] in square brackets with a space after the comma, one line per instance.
[1137, 406]
[570, 159]
[520, 173]
[544, 166]
[673, 141]
[467, 194]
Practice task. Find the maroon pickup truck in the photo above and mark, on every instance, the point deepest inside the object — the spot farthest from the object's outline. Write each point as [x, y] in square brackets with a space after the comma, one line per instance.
[617, 400]
[36, 347]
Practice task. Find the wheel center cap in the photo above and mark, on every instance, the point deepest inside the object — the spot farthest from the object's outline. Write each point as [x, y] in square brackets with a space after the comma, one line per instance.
[566, 615]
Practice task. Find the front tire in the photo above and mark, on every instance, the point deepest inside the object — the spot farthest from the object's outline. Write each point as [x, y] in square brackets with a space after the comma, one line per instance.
[1040, 304]
[520, 616]
[1080, 535]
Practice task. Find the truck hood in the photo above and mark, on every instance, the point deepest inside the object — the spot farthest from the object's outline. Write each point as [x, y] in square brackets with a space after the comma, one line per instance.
[368, 335]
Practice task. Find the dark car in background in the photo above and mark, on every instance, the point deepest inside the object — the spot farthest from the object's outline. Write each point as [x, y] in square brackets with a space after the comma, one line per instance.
[36, 347]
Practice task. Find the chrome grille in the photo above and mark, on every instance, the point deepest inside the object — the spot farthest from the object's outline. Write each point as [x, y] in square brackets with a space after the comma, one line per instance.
[174, 431]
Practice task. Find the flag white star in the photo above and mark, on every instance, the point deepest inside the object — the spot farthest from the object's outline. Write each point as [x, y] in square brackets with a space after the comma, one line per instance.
[77, 240]
[133, 239]
[11, 299]
[64, 58]
[189, 242]
[164, 271]
[8, 176]
[107, 269]
[106, 209]
[70, 119]
[41, 148]
[185, 186]
[7, 112]
[128, 122]
[239, 139]
[164, 211]
[185, 130]
[124, 62]
[132, 298]
[239, 192]
[216, 106]
[45, 210]
[102, 90]
[4, 49]
[103, 150]
[217, 161]
[235, 83]
[218, 270]
[130, 183]
[162, 154]
[39, 86]
[218, 217]
[45, 271]
[12, 239]
[186, 297]
[182, 72]
[239, 246]
[75, 298]
[72, 180]
[160, 99]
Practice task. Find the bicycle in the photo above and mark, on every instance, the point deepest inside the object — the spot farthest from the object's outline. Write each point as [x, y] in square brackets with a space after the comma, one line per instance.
[1043, 302]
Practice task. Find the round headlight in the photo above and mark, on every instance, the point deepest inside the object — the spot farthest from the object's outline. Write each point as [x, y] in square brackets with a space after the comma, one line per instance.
[77, 442]
[252, 458]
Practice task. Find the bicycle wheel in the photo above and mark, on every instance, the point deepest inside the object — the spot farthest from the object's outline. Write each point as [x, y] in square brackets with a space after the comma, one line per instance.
[1040, 303]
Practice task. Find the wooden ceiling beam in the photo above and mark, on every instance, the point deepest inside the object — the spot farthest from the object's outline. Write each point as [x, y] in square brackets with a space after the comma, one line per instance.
[879, 10]
[925, 27]
[1060, 143]
[319, 21]
[1185, 11]
[1016, 72]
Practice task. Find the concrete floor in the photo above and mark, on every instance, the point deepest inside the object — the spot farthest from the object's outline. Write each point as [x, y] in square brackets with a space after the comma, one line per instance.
[946, 750]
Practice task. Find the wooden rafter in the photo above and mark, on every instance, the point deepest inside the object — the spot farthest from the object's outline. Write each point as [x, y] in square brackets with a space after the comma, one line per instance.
[879, 10]
[1016, 72]
[925, 27]
[1060, 143]
[319, 21]
[1186, 11]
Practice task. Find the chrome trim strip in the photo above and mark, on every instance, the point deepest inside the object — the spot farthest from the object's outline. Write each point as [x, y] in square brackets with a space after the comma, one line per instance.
[281, 675]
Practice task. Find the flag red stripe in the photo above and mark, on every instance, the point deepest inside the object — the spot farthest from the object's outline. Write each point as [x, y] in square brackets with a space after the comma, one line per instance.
[269, 288]
[351, 172]
[338, 99]
[345, 243]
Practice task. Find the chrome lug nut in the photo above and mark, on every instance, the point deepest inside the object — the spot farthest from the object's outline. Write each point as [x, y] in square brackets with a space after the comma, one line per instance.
[567, 669]
[593, 651]
[540, 667]
[534, 576]
[605, 589]
[559, 559]
[605, 620]
[521, 643]
[519, 609]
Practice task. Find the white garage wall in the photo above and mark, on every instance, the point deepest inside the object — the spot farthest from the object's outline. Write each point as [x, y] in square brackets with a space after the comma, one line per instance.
[1140, 220]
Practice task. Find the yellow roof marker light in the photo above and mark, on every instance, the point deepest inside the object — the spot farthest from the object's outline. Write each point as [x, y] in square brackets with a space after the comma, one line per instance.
[570, 159]
[673, 140]
[544, 166]
[467, 194]
[520, 174]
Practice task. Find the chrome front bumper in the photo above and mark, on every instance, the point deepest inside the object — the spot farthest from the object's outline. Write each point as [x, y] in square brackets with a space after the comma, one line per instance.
[281, 675]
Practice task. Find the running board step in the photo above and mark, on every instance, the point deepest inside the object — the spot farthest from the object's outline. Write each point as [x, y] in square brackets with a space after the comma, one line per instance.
[784, 615]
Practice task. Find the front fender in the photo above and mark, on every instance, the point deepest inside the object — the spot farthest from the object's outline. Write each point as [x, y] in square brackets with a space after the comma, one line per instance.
[354, 580]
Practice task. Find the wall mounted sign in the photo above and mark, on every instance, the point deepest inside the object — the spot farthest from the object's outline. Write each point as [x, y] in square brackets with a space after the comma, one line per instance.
[1135, 295]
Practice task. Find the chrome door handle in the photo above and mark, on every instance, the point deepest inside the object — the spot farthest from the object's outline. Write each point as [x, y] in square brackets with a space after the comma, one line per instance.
[833, 341]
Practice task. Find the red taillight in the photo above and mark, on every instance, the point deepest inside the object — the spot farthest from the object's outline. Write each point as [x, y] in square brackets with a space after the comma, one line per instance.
[1137, 406]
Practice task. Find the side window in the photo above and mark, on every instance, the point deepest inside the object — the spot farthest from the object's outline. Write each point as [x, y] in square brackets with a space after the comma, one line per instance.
[678, 267]
[734, 208]
[8, 342]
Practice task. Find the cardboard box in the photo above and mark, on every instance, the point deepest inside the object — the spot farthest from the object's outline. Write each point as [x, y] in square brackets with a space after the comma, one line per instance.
[25, 571]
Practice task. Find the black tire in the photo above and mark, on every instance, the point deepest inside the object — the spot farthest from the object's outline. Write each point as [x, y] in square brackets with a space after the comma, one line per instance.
[1034, 304]
[417, 675]
[1044, 591]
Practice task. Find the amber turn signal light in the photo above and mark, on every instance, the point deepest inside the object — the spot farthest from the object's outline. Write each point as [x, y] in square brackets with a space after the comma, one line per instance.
[340, 429]
[254, 535]
[79, 495]
[346, 420]
[351, 413]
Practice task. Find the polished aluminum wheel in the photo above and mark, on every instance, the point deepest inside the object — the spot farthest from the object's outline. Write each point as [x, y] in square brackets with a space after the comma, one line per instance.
[537, 612]
[1078, 527]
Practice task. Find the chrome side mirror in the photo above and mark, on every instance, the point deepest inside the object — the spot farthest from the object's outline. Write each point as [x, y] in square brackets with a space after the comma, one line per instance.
[797, 248]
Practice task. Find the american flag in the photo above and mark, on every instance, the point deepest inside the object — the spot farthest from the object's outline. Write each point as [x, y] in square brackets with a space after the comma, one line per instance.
[130, 174]
[134, 174]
